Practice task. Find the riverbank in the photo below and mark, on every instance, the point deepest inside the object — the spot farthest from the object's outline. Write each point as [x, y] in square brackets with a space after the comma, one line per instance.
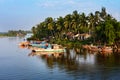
[69, 43]
[95, 47]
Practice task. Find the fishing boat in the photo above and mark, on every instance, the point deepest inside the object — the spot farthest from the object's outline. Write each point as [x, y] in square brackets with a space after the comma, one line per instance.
[107, 50]
[94, 49]
[43, 44]
[25, 43]
[47, 50]
[37, 45]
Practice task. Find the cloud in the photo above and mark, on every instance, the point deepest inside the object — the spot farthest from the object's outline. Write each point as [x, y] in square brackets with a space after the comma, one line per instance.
[66, 5]
[47, 4]
[71, 2]
[52, 3]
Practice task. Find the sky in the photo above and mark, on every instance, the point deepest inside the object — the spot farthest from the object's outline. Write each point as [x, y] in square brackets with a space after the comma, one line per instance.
[24, 14]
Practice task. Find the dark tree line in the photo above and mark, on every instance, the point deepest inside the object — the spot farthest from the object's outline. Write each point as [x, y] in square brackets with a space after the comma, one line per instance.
[100, 25]
[15, 33]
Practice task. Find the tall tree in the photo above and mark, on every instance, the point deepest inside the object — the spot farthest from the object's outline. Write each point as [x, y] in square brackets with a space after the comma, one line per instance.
[103, 14]
[67, 22]
[50, 24]
[60, 26]
[75, 21]
[83, 25]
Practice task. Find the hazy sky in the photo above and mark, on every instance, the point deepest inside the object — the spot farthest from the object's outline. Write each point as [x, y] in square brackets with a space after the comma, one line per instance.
[23, 14]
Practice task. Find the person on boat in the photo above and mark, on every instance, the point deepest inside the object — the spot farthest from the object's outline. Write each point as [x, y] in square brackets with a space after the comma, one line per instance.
[49, 46]
[43, 44]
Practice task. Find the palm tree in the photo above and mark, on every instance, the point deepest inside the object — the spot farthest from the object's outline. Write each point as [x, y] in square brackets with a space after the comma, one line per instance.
[83, 25]
[67, 22]
[103, 13]
[60, 26]
[97, 18]
[75, 21]
[91, 22]
[50, 24]
[33, 30]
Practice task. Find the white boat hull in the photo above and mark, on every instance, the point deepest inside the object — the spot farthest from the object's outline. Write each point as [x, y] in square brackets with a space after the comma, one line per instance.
[48, 50]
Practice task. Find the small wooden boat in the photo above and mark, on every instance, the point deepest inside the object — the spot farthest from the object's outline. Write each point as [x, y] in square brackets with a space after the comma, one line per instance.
[47, 50]
[94, 48]
[107, 50]
[37, 45]
[86, 47]
[91, 48]
[22, 46]
[43, 44]
[25, 43]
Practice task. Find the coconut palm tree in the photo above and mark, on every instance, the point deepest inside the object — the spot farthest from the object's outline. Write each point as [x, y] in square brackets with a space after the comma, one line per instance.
[97, 17]
[67, 22]
[103, 13]
[75, 21]
[83, 25]
[59, 26]
[50, 24]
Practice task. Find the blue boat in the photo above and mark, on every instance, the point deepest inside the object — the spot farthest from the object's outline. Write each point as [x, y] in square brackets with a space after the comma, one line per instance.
[43, 44]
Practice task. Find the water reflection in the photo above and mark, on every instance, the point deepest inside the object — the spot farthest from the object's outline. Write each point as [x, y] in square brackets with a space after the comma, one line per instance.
[47, 54]
[82, 64]
[79, 56]
[68, 59]
[108, 60]
[77, 62]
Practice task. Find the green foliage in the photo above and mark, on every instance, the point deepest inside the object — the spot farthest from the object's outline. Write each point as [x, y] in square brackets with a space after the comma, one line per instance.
[15, 33]
[117, 30]
[101, 25]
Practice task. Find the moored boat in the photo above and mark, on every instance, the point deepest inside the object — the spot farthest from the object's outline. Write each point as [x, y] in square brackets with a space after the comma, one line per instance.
[43, 44]
[25, 43]
[107, 50]
[37, 45]
[47, 50]
[94, 48]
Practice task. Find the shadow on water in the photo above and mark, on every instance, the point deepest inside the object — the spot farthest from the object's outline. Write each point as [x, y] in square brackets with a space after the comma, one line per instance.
[75, 64]
[84, 64]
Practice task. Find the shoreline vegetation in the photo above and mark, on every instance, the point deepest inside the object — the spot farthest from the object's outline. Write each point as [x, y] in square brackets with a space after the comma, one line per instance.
[14, 33]
[98, 28]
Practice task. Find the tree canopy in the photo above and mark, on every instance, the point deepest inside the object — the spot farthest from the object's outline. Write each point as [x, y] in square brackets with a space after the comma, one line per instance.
[100, 25]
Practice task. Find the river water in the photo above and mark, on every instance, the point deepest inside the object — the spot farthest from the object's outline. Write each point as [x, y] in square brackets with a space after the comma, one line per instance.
[17, 63]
